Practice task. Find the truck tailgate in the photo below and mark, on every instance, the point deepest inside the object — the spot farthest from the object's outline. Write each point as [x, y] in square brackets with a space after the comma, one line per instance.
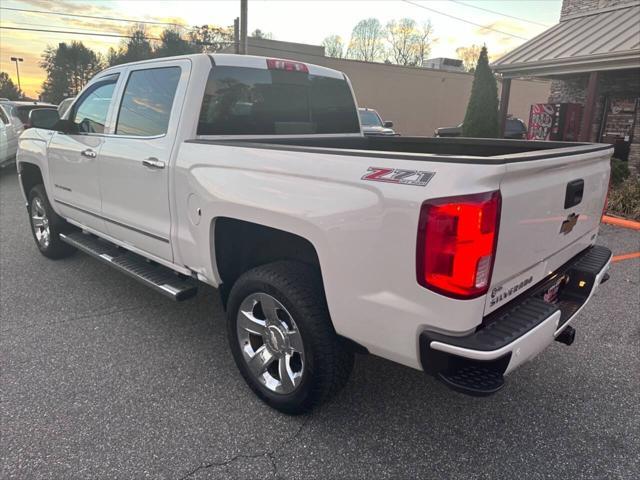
[551, 209]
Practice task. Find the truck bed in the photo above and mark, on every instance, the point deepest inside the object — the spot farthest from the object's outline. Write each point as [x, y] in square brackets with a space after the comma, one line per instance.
[455, 150]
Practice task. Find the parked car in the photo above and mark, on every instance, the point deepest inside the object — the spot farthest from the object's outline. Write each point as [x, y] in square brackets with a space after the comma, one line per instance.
[372, 123]
[14, 118]
[322, 241]
[514, 128]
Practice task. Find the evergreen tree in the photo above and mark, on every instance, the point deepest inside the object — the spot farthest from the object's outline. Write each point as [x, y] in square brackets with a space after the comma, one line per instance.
[172, 43]
[8, 89]
[137, 47]
[69, 67]
[481, 119]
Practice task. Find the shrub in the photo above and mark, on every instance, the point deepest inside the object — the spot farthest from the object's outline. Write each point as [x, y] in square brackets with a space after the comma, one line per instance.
[624, 199]
[619, 171]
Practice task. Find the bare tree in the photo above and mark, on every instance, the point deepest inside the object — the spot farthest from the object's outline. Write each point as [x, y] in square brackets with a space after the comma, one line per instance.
[400, 37]
[423, 41]
[212, 38]
[333, 46]
[409, 44]
[367, 41]
[469, 56]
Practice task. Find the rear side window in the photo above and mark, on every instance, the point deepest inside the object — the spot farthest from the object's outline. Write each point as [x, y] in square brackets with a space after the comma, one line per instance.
[253, 101]
[146, 104]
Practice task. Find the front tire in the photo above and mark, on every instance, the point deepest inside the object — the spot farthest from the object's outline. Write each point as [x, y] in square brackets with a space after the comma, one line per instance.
[282, 339]
[46, 225]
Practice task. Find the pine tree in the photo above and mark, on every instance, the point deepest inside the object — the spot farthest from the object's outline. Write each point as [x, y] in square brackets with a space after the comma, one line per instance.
[481, 119]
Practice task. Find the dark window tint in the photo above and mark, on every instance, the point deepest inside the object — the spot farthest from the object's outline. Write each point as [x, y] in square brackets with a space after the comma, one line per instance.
[515, 125]
[90, 113]
[252, 101]
[147, 101]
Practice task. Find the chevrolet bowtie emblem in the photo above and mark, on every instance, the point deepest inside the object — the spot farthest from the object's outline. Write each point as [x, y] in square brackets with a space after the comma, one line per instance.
[569, 223]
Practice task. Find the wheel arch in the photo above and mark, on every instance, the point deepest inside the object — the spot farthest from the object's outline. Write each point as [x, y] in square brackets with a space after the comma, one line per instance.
[30, 175]
[239, 245]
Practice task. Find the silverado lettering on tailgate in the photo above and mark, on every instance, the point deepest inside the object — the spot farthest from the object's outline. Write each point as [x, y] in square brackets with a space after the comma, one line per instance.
[398, 175]
[501, 293]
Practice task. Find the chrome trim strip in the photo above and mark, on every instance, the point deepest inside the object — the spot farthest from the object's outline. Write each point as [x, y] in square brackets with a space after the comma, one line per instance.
[115, 222]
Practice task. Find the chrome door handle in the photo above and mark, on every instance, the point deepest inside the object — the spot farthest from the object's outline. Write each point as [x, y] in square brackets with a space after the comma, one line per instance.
[88, 153]
[153, 162]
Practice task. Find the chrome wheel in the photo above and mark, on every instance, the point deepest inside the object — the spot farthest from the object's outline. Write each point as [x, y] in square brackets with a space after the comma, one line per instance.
[270, 342]
[40, 222]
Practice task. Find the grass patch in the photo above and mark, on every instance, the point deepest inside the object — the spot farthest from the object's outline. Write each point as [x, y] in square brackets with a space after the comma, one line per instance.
[624, 198]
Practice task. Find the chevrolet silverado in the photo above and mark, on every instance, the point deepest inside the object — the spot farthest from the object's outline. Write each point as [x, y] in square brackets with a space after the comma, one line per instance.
[460, 257]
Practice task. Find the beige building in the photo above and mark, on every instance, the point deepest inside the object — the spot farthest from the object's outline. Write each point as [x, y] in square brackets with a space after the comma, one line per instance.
[417, 100]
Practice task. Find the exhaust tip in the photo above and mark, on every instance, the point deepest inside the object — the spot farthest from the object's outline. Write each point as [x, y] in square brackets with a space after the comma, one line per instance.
[567, 336]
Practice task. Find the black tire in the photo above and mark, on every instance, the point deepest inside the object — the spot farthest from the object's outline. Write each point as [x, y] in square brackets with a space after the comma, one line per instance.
[327, 360]
[54, 248]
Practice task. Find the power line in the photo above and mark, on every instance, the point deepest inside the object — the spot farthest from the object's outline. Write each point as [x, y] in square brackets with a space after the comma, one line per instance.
[69, 32]
[500, 13]
[97, 34]
[49, 26]
[113, 19]
[484, 27]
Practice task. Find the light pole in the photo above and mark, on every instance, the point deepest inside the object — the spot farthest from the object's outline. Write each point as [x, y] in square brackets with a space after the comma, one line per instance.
[243, 27]
[17, 59]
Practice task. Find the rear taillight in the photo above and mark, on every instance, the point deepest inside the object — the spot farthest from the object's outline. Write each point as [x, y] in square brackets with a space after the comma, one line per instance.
[287, 65]
[457, 239]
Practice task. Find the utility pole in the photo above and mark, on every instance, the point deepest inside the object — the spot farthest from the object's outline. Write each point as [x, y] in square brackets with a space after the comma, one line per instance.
[17, 59]
[243, 27]
[236, 35]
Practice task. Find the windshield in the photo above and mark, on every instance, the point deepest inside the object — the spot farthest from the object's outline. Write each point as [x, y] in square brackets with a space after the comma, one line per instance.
[254, 101]
[369, 118]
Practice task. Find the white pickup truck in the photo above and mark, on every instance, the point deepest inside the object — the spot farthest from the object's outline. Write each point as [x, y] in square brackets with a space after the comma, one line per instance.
[460, 257]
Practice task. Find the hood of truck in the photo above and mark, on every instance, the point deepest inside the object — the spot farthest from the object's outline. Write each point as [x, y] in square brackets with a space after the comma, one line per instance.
[373, 130]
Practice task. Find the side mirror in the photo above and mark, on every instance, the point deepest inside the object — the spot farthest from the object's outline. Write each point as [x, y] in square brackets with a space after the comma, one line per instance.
[46, 118]
[388, 124]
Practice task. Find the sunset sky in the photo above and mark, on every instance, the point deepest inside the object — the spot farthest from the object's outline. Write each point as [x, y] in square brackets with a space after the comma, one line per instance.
[304, 21]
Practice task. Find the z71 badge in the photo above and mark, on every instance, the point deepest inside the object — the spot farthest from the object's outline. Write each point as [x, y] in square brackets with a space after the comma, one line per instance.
[397, 175]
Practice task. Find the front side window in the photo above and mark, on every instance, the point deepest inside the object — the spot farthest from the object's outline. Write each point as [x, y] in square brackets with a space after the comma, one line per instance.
[254, 101]
[146, 104]
[90, 113]
[3, 117]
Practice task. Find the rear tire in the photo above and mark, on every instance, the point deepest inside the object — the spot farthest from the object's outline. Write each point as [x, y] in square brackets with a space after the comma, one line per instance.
[47, 225]
[282, 339]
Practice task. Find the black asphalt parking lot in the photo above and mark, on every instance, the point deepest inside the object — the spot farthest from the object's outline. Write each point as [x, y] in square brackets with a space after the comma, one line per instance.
[103, 378]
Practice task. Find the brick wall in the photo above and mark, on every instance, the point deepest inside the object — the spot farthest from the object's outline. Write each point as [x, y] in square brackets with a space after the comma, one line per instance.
[573, 88]
[573, 7]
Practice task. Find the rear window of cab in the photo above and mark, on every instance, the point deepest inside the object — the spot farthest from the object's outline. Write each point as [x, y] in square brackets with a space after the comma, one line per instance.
[254, 101]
